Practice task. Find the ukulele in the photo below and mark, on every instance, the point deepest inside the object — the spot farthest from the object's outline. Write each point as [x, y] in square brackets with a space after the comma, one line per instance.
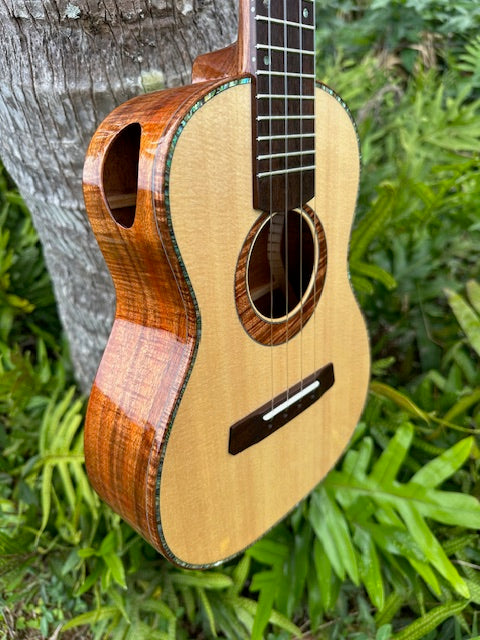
[238, 362]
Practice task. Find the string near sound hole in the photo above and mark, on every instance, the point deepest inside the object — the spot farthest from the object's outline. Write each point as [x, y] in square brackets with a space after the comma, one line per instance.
[281, 266]
[280, 274]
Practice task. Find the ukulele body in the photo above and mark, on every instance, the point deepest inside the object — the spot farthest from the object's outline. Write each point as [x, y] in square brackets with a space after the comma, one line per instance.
[181, 367]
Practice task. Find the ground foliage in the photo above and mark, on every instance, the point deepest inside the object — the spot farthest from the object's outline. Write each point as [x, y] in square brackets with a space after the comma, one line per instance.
[387, 547]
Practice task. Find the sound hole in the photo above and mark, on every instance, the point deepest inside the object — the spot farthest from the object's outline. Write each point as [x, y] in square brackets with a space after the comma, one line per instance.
[120, 175]
[281, 265]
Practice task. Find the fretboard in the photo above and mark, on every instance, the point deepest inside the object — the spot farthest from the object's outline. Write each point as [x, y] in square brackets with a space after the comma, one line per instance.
[283, 56]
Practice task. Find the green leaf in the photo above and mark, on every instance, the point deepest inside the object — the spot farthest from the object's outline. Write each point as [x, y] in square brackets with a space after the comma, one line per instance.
[117, 599]
[473, 293]
[467, 319]
[207, 607]
[324, 513]
[362, 285]
[279, 620]
[52, 420]
[109, 544]
[395, 540]
[90, 580]
[240, 575]
[243, 605]
[157, 606]
[384, 633]
[323, 570]
[430, 621]
[263, 612]
[86, 552]
[189, 602]
[432, 548]
[400, 399]
[265, 580]
[436, 471]
[392, 604]
[275, 617]
[67, 483]
[462, 405]
[457, 544]
[370, 571]
[387, 466]
[207, 580]
[374, 272]
[368, 229]
[474, 589]
[268, 551]
[448, 507]
[115, 565]
[92, 617]
[428, 575]
[315, 606]
[46, 496]
[291, 585]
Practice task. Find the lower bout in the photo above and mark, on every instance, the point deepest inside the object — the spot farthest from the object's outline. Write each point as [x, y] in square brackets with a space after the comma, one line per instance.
[214, 504]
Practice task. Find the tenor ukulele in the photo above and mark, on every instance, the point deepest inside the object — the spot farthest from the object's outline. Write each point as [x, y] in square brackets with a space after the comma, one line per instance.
[238, 362]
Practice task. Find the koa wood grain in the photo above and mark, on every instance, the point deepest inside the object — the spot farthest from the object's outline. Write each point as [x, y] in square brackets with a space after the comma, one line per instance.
[211, 326]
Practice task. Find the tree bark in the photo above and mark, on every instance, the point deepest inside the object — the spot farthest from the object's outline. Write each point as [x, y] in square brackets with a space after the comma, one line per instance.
[63, 67]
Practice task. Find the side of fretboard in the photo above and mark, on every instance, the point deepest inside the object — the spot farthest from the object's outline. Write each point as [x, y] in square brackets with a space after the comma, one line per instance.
[283, 52]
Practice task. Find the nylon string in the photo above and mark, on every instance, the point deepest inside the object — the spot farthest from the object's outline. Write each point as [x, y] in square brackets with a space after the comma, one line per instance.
[285, 70]
[300, 56]
[316, 264]
[270, 148]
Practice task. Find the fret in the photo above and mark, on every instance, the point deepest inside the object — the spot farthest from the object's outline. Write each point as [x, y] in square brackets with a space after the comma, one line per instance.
[287, 154]
[282, 171]
[287, 49]
[284, 136]
[288, 117]
[284, 74]
[288, 23]
[279, 96]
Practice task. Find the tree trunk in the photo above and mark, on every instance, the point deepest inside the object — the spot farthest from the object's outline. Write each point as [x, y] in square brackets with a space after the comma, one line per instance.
[63, 67]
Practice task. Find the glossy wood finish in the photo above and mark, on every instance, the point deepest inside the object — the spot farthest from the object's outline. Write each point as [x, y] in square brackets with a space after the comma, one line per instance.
[153, 337]
[180, 369]
[233, 60]
[215, 65]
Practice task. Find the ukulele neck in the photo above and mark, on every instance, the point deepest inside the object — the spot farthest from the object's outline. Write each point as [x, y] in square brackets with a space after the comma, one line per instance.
[282, 61]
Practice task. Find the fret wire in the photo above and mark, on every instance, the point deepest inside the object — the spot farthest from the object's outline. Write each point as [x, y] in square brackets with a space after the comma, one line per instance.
[284, 97]
[304, 117]
[282, 171]
[285, 22]
[261, 72]
[287, 49]
[286, 154]
[285, 106]
[283, 136]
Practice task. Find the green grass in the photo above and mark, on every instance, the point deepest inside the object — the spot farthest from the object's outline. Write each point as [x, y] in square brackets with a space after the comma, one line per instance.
[387, 547]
